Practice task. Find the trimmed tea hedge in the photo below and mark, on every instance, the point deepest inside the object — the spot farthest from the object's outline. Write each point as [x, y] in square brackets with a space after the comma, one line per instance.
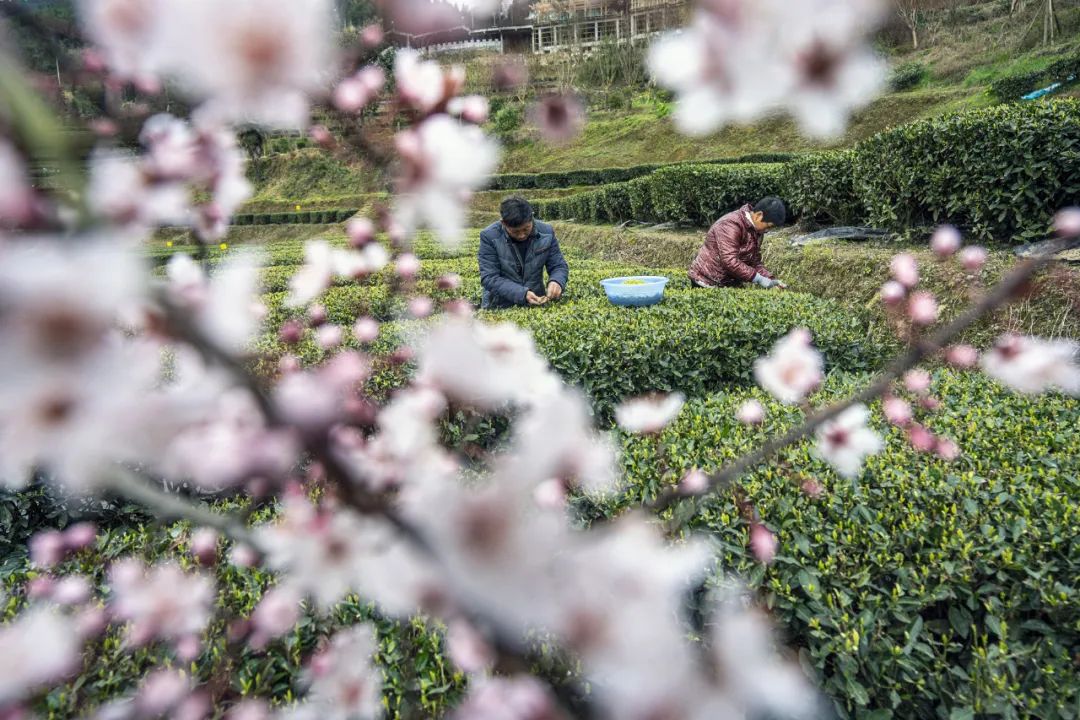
[928, 589]
[322, 217]
[692, 193]
[604, 176]
[819, 188]
[1013, 87]
[997, 173]
[695, 341]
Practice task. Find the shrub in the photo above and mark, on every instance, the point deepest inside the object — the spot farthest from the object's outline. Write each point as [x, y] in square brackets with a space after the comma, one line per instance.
[694, 342]
[927, 589]
[907, 76]
[603, 176]
[695, 193]
[508, 120]
[819, 188]
[997, 173]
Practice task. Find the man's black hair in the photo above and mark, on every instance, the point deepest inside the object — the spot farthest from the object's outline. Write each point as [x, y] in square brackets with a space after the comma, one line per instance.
[772, 210]
[515, 211]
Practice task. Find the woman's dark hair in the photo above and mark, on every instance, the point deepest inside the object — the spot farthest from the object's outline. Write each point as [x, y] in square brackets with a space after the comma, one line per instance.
[515, 211]
[772, 210]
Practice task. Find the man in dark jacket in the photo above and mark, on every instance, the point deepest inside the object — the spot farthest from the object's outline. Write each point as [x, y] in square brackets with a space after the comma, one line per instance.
[513, 255]
[731, 255]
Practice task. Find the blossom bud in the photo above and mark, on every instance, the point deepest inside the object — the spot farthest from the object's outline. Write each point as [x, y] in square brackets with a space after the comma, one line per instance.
[972, 258]
[361, 231]
[923, 308]
[920, 438]
[366, 329]
[945, 241]
[288, 364]
[550, 494]
[905, 270]
[893, 293]
[47, 548]
[329, 337]
[751, 412]
[323, 137]
[917, 381]
[450, 281]
[80, 535]
[421, 307]
[291, 332]
[947, 449]
[371, 36]
[897, 411]
[316, 315]
[407, 266]
[1067, 222]
[204, 543]
[694, 482]
[962, 356]
[72, 590]
[813, 488]
[763, 543]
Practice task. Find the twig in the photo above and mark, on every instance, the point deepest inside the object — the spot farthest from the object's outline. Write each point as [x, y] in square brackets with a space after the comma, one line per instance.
[1001, 293]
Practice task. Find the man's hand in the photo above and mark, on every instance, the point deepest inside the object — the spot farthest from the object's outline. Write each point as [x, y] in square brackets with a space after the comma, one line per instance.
[534, 299]
[767, 283]
[781, 285]
[554, 291]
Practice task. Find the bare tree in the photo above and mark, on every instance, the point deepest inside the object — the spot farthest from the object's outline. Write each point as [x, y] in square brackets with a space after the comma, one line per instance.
[911, 11]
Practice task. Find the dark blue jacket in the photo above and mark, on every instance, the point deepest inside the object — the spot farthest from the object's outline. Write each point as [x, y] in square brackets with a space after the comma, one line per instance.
[503, 276]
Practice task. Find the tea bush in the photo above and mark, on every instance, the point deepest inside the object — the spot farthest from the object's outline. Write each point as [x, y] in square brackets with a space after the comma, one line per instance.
[927, 589]
[996, 173]
[694, 342]
[819, 188]
[907, 76]
[685, 193]
[604, 176]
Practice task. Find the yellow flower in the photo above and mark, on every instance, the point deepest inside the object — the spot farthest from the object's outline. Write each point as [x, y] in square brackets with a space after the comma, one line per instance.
[224, 246]
[168, 243]
[297, 207]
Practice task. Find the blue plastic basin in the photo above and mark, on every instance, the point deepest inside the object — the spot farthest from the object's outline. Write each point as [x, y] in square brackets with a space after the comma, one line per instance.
[649, 292]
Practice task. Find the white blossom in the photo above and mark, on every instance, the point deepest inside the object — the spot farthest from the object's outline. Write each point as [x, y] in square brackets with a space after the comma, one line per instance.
[846, 441]
[1033, 365]
[37, 647]
[162, 601]
[649, 414]
[793, 368]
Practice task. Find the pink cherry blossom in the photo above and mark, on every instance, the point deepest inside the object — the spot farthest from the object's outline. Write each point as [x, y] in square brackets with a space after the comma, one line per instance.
[905, 270]
[945, 241]
[161, 692]
[923, 308]
[276, 614]
[649, 415]
[472, 108]
[559, 118]
[897, 411]
[467, 648]
[917, 381]
[443, 160]
[421, 306]
[407, 266]
[80, 535]
[204, 545]
[47, 548]
[360, 230]
[450, 281]
[366, 329]
[1067, 222]
[422, 84]
[161, 601]
[71, 590]
[846, 441]
[519, 697]
[893, 293]
[345, 682]
[962, 356]
[551, 494]
[329, 337]
[947, 449]
[812, 488]
[920, 438]
[793, 368]
[751, 412]
[973, 258]
[763, 543]
[1032, 365]
[37, 647]
[254, 61]
[694, 482]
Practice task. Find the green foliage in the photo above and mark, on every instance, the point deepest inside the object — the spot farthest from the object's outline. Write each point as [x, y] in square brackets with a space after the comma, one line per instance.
[694, 341]
[603, 176]
[1012, 87]
[682, 193]
[927, 589]
[907, 76]
[996, 173]
[819, 188]
[508, 120]
[613, 64]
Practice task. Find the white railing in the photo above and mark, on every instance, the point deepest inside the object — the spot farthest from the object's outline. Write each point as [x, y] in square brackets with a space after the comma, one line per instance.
[463, 45]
